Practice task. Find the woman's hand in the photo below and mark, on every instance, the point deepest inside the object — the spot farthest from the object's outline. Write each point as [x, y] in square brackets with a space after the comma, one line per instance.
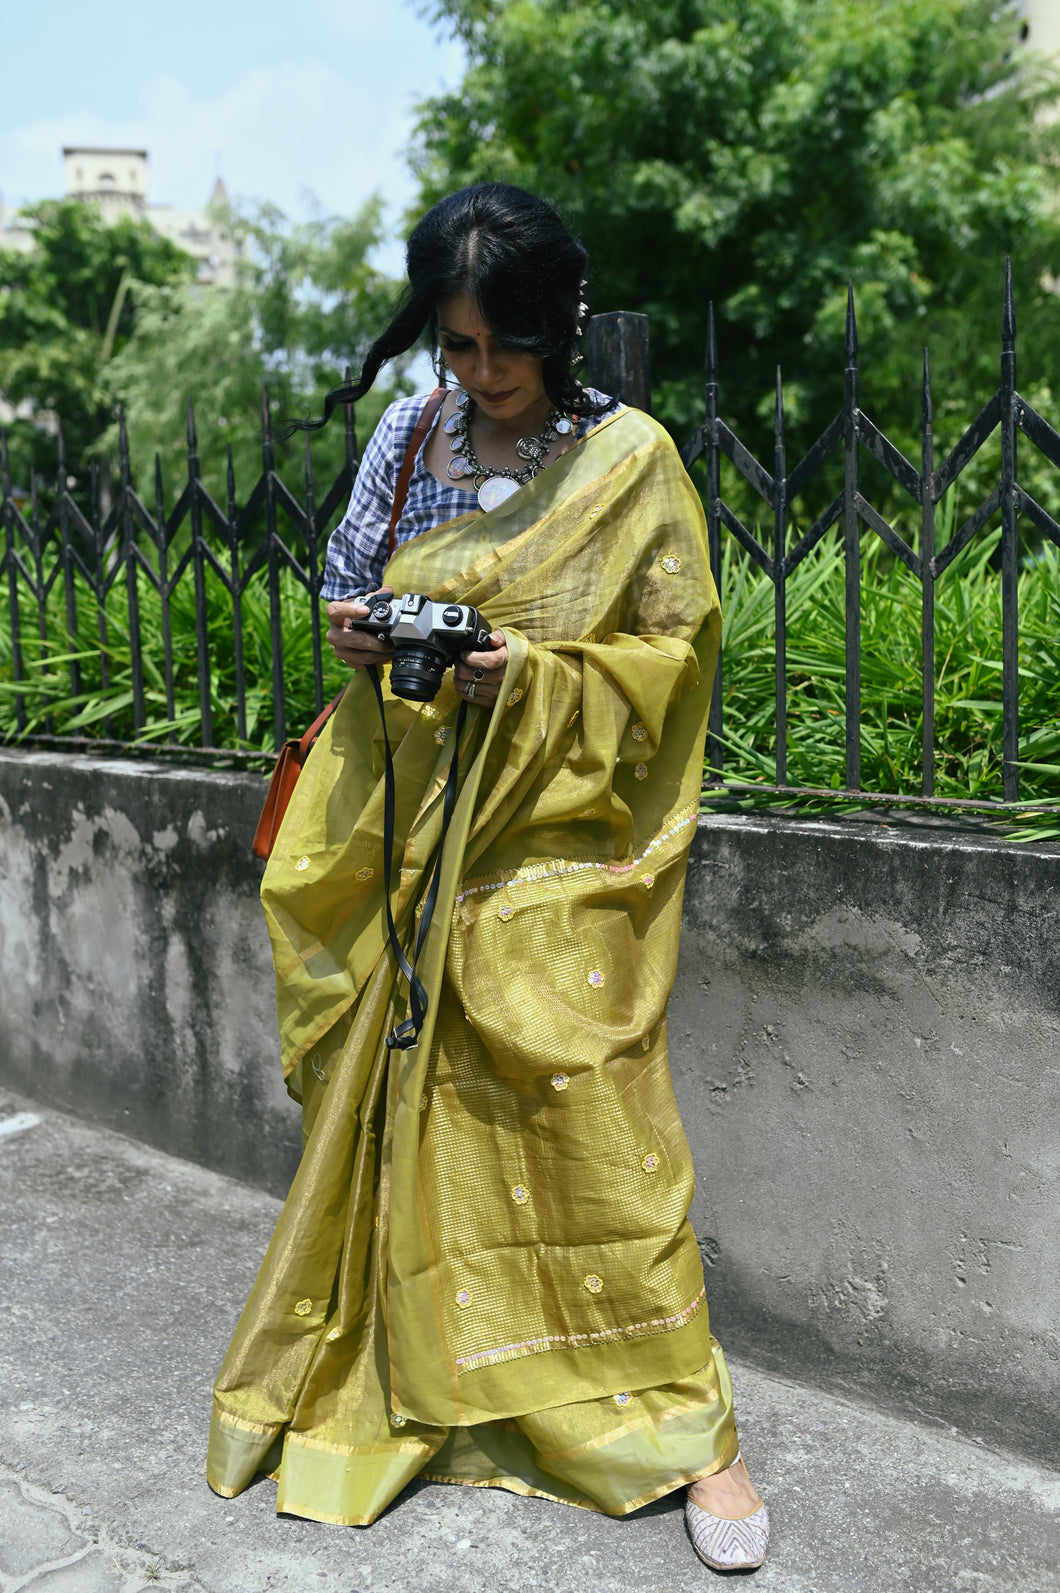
[478, 676]
[356, 648]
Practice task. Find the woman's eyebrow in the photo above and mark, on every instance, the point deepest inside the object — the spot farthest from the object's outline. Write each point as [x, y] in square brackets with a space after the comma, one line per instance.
[463, 336]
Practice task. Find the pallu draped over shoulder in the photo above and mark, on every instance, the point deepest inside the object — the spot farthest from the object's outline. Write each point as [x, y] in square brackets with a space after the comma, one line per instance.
[484, 1271]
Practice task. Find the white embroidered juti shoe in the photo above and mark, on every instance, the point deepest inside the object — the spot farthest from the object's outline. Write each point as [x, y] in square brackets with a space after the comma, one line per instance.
[725, 1545]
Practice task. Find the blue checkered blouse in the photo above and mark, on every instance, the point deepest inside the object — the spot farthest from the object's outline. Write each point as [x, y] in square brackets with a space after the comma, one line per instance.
[357, 548]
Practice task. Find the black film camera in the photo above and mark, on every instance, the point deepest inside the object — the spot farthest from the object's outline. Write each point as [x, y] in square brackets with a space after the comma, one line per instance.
[427, 638]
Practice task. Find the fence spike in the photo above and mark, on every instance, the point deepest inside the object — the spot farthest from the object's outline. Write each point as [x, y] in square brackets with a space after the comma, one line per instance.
[778, 413]
[308, 467]
[5, 463]
[926, 404]
[123, 446]
[1008, 312]
[266, 414]
[93, 488]
[193, 440]
[160, 499]
[230, 482]
[712, 345]
[852, 328]
[60, 450]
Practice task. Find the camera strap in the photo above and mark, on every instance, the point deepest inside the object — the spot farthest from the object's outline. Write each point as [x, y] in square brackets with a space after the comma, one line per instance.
[407, 1034]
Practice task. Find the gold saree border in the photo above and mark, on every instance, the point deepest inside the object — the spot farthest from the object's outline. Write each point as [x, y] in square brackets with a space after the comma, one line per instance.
[561, 867]
[637, 1425]
[512, 1485]
[226, 1416]
[401, 1446]
[580, 1341]
[684, 1479]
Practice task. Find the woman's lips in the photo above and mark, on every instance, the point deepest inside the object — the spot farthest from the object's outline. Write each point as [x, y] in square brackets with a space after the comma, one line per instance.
[498, 398]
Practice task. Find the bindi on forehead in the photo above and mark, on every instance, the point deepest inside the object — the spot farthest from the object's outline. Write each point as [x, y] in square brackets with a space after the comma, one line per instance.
[465, 313]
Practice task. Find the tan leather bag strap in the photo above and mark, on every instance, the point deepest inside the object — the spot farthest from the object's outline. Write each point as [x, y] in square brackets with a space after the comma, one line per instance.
[306, 741]
[401, 491]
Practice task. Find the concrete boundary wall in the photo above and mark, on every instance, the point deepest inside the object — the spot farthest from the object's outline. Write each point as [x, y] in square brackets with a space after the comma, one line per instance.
[864, 1038]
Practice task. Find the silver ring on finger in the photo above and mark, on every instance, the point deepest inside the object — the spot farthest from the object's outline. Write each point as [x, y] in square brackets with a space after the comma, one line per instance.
[477, 674]
[469, 690]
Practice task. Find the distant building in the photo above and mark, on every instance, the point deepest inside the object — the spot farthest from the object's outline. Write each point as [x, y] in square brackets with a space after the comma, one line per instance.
[1041, 25]
[115, 180]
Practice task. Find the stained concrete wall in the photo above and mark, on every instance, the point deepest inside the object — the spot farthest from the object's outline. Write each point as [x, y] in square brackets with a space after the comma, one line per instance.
[865, 1040]
[136, 982]
[864, 1036]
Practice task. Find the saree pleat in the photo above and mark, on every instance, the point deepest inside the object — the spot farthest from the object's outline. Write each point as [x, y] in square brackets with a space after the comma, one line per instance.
[484, 1270]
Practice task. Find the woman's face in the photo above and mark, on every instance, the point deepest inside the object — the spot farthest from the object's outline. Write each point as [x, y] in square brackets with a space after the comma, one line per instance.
[504, 382]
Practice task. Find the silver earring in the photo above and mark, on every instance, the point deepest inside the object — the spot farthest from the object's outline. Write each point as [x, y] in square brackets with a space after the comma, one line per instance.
[441, 369]
[583, 310]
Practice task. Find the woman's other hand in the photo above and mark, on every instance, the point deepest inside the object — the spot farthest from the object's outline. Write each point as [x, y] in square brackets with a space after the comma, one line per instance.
[356, 648]
[479, 676]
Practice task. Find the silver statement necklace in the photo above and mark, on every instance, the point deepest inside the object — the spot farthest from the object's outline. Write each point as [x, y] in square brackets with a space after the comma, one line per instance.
[494, 483]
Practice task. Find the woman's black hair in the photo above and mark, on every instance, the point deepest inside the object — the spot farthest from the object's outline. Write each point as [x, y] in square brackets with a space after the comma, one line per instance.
[511, 254]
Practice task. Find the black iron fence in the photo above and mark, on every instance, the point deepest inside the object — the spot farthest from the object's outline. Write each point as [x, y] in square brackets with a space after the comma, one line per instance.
[55, 561]
[849, 432]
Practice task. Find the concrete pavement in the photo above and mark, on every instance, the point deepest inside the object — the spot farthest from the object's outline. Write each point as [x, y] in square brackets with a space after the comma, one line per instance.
[123, 1271]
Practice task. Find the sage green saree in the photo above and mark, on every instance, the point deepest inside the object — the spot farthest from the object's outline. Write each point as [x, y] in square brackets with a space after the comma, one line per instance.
[484, 1271]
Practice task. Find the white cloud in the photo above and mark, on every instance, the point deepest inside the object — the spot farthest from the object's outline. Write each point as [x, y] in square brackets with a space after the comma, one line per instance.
[335, 125]
[275, 132]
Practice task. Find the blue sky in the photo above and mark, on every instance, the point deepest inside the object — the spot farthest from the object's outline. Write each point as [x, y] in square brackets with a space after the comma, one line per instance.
[285, 101]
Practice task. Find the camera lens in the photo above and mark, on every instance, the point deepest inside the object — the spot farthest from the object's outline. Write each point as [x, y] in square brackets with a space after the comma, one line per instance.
[416, 671]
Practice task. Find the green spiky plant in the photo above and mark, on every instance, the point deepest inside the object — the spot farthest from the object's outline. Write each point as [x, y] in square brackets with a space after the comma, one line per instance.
[968, 757]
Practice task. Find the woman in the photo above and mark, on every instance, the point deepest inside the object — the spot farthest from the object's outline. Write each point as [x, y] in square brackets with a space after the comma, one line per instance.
[484, 1271]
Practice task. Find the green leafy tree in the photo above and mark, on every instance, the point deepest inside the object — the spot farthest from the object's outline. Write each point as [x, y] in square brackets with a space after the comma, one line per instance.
[760, 154]
[65, 309]
[307, 304]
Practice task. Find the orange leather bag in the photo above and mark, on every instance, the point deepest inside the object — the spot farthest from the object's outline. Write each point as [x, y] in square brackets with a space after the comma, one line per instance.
[294, 753]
